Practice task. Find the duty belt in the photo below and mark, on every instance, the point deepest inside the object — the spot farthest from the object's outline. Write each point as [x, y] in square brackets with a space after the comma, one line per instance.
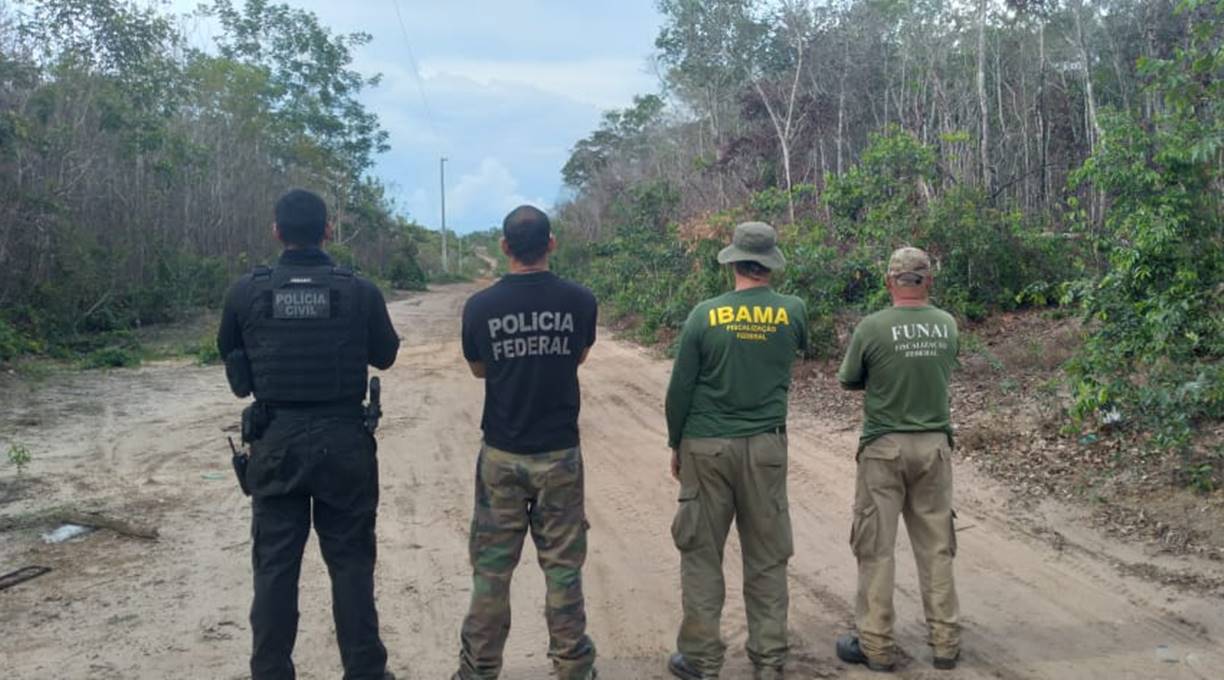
[343, 409]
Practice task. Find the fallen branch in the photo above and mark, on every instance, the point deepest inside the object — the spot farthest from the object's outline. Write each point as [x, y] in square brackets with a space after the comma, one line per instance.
[99, 521]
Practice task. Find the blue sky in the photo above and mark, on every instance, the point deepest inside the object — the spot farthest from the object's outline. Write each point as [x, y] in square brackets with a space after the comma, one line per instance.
[511, 86]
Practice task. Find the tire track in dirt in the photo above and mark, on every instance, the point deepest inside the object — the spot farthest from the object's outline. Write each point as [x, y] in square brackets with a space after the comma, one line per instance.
[1035, 608]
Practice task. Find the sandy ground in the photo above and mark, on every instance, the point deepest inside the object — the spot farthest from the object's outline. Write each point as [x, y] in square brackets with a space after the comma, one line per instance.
[1042, 596]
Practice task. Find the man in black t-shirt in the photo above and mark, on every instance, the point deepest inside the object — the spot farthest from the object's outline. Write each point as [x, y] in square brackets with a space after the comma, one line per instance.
[526, 336]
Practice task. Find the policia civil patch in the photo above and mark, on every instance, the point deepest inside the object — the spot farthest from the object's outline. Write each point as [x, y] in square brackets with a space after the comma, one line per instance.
[301, 303]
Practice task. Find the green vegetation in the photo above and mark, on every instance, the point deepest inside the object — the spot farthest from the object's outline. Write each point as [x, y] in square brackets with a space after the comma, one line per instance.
[1045, 154]
[652, 271]
[1155, 354]
[138, 174]
[111, 357]
[19, 456]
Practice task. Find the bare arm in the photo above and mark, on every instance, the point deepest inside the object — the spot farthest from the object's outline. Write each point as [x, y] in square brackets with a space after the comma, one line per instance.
[478, 368]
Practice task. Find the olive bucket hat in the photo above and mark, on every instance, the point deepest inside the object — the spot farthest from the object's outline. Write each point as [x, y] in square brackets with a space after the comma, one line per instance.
[754, 242]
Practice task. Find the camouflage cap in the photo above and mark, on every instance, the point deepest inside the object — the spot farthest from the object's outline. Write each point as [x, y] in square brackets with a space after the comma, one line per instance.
[754, 242]
[909, 260]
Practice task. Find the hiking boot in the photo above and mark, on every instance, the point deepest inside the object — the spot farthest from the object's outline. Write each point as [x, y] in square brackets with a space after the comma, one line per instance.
[946, 663]
[848, 650]
[767, 672]
[679, 666]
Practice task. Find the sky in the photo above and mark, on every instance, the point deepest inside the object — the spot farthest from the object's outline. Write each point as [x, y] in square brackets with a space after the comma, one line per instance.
[506, 88]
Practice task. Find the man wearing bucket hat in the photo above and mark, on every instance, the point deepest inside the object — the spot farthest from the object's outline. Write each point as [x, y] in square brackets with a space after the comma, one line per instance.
[903, 357]
[726, 422]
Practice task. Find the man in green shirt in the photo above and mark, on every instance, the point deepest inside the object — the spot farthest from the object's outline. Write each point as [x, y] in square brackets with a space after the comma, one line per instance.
[903, 357]
[726, 422]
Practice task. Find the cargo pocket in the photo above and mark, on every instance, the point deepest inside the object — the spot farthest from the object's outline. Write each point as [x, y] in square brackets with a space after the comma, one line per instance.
[864, 532]
[769, 460]
[561, 485]
[265, 468]
[687, 522]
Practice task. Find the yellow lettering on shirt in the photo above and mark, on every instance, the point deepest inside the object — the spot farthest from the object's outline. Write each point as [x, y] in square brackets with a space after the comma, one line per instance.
[768, 316]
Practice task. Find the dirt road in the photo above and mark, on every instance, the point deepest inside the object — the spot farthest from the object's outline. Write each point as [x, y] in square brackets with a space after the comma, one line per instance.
[1042, 596]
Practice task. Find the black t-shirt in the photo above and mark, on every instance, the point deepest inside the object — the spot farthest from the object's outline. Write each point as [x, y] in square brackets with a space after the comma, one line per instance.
[530, 330]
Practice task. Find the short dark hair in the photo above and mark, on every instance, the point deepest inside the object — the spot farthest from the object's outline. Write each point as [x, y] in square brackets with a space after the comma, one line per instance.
[527, 231]
[750, 268]
[301, 217]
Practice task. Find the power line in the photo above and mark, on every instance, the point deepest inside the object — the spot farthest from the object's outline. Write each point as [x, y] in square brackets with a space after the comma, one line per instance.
[416, 71]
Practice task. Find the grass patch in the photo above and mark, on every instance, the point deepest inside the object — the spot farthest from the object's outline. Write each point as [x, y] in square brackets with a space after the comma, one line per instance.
[112, 357]
[36, 370]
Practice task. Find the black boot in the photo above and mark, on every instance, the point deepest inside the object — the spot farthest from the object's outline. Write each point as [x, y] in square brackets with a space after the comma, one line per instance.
[679, 667]
[946, 663]
[848, 650]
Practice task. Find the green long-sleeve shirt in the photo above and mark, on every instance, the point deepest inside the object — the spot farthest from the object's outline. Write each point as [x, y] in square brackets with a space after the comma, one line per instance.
[733, 365]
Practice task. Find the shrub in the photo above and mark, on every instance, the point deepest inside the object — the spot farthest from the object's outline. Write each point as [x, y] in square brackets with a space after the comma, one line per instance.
[19, 456]
[111, 357]
[1157, 323]
[205, 351]
[984, 256]
[14, 343]
[405, 273]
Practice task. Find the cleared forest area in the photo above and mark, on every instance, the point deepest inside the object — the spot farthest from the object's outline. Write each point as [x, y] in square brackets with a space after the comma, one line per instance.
[1064, 159]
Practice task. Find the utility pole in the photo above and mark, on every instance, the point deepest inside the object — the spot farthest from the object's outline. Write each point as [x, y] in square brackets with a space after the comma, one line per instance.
[442, 178]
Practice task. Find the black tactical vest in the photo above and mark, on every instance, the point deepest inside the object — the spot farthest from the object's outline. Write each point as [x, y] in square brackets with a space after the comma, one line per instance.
[305, 335]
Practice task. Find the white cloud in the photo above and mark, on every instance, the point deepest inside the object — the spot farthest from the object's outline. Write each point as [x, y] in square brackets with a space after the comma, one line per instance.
[603, 83]
[510, 86]
[491, 190]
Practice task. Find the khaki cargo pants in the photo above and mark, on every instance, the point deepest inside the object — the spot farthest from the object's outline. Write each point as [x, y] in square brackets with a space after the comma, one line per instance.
[910, 474]
[741, 479]
[543, 494]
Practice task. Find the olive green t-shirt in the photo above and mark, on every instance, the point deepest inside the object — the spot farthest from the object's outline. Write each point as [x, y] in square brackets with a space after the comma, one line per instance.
[903, 357]
[733, 365]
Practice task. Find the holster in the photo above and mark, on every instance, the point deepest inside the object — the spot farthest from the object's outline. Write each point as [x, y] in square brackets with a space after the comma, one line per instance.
[240, 461]
[255, 419]
[373, 408]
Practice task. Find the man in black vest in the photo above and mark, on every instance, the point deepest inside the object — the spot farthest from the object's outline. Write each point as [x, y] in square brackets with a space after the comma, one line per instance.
[299, 337]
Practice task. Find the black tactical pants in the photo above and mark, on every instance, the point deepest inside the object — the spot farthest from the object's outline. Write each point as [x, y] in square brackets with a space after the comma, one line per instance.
[307, 466]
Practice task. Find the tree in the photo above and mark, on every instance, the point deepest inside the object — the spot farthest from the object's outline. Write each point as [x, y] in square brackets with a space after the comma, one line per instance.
[1158, 334]
[138, 174]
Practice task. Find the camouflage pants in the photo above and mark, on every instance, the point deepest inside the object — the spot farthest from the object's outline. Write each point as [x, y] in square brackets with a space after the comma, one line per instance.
[515, 493]
[905, 474]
